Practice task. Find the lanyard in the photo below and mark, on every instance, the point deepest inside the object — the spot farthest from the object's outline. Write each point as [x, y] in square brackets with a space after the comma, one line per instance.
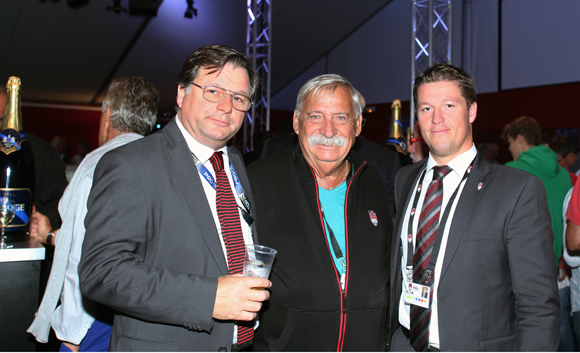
[440, 230]
[237, 185]
[335, 247]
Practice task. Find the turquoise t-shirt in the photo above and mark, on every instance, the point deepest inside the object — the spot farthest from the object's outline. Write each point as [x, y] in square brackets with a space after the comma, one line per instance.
[332, 202]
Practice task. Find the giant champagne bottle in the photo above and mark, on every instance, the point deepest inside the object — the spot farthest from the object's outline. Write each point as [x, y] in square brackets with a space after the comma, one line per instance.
[16, 169]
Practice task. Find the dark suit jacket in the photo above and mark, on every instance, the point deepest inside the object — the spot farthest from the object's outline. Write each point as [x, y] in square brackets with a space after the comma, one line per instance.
[151, 249]
[497, 290]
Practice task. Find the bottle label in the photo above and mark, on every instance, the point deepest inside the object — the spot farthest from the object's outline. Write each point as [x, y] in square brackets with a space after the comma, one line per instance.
[15, 208]
[11, 141]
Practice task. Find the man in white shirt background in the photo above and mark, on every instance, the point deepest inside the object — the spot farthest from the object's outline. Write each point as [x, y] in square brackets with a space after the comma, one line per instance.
[129, 113]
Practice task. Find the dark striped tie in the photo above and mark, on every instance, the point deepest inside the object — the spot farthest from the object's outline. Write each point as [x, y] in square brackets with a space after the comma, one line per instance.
[229, 217]
[427, 230]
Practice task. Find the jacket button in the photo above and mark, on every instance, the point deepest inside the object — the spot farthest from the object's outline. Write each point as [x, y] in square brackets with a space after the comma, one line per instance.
[222, 349]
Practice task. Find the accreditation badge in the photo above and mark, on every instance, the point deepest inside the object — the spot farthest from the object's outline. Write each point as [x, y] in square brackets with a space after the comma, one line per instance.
[417, 294]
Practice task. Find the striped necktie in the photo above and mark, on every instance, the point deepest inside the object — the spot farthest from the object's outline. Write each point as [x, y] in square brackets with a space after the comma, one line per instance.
[427, 230]
[227, 209]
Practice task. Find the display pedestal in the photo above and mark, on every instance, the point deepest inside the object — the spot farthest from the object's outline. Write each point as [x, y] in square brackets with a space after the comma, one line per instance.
[19, 281]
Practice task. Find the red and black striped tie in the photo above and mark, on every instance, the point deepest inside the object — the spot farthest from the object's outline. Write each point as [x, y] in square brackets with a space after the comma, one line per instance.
[229, 217]
[427, 230]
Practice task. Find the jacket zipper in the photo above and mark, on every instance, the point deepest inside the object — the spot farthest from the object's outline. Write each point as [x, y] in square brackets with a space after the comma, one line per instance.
[343, 279]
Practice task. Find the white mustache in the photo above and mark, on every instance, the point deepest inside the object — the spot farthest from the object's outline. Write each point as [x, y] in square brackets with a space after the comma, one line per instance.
[327, 141]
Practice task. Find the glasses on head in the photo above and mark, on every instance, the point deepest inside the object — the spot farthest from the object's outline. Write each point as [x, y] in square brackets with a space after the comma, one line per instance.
[216, 94]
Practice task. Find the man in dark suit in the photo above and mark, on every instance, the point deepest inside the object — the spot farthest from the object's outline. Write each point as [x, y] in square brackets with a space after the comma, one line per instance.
[484, 254]
[157, 248]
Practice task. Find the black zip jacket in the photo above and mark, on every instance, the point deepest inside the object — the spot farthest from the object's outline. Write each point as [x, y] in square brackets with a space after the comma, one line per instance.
[308, 310]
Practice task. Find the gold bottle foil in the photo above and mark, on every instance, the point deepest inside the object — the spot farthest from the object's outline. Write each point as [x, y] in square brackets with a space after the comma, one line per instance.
[12, 123]
[396, 135]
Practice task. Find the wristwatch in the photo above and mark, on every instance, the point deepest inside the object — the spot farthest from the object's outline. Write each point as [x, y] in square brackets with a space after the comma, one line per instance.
[49, 237]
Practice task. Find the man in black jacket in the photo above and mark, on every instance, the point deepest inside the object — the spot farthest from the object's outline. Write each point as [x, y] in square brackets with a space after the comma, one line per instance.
[325, 210]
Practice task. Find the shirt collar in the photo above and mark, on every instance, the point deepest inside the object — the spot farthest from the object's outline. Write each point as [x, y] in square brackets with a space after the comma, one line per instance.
[459, 164]
[202, 152]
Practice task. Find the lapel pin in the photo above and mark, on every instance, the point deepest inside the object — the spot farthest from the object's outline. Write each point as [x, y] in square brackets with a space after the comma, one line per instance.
[373, 217]
[479, 186]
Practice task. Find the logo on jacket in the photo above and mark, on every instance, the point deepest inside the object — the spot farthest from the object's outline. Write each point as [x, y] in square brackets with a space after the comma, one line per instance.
[373, 217]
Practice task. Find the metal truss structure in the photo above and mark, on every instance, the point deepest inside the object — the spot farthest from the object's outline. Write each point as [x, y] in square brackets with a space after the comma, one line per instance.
[258, 49]
[432, 25]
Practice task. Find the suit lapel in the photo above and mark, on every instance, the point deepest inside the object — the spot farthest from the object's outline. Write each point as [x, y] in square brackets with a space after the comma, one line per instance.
[407, 189]
[404, 191]
[465, 207]
[187, 176]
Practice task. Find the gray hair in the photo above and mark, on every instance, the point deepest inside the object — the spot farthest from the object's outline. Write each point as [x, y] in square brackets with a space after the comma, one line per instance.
[319, 85]
[133, 102]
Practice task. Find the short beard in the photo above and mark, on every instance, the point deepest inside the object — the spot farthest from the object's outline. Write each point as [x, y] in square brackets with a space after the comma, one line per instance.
[327, 141]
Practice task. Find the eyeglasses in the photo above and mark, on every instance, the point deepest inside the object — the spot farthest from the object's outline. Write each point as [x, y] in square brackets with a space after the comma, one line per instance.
[414, 139]
[216, 94]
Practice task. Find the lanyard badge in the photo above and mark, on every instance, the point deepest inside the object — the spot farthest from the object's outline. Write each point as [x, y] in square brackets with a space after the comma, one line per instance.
[203, 171]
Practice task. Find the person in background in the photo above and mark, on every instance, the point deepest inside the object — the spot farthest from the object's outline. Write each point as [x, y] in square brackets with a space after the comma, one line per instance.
[60, 146]
[50, 183]
[417, 147]
[169, 215]
[572, 258]
[572, 254]
[476, 235]
[324, 209]
[129, 113]
[567, 152]
[83, 148]
[529, 154]
[490, 150]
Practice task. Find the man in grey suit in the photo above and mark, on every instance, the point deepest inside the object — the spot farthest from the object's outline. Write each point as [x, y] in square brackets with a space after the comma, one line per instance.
[482, 246]
[154, 249]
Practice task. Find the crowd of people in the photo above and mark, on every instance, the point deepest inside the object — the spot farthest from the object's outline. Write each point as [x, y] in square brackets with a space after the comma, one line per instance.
[454, 252]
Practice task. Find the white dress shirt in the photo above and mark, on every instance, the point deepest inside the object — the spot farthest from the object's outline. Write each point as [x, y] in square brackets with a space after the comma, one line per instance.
[459, 165]
[204, 153]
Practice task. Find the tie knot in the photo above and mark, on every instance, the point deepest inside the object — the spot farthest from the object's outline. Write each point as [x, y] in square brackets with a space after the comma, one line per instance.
[217, 161]
[440, 171]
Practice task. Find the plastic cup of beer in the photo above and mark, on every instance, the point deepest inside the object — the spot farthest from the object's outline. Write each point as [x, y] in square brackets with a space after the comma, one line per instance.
[258, 261]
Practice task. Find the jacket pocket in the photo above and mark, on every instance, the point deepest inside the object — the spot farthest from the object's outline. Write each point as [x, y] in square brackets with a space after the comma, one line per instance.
[500, 344]
[366, 330]
[308, 331]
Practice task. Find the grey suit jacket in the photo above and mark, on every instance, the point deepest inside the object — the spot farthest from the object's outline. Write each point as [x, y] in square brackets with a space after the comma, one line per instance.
[497, 290]
[151, 249]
